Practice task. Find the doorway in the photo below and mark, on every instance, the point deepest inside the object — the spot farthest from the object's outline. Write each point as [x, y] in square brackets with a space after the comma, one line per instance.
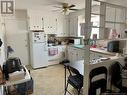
[17, 38]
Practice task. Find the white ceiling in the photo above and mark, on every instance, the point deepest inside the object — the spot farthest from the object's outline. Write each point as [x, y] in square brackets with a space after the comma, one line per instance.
[46, 4]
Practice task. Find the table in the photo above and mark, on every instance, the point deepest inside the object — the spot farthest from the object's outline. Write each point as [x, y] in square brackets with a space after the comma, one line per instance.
[9, 83]
[27, 78]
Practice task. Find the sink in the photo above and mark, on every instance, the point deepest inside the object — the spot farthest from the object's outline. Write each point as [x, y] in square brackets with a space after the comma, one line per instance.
[79, 46]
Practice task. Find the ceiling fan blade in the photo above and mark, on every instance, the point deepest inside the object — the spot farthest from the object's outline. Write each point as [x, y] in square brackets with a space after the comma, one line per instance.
[74, 9]
[71, 6]
[57, 2]
[56, 10]
[57, 6]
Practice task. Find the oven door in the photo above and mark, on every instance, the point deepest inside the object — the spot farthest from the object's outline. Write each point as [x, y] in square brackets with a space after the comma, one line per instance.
[53, 53]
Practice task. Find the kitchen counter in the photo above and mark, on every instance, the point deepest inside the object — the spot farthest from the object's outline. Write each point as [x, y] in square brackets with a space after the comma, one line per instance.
[103, 51]
[98, 50]
[55, 46]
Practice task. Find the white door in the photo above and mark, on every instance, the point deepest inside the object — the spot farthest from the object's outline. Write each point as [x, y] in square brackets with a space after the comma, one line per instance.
[17, 38]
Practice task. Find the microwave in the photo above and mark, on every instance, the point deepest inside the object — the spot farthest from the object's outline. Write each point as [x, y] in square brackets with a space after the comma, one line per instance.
[75, 41]
[113, 46]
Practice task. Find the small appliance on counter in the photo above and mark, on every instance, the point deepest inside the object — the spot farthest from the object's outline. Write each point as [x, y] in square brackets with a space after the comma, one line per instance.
[75, 41]
[113, 46]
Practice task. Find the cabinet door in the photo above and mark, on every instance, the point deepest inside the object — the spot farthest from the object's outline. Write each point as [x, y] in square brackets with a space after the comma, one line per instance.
[36, 22]
[40, 23]
[73, 27]
[80, 54]
[75, 23]
[32, 22]
[75, 54]
[50, 24]
[46, 25]
[66, 26]
[69, 54]
[53, 24]
[60, 26]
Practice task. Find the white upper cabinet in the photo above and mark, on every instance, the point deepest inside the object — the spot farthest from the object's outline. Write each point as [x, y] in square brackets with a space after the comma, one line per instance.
[62, 26]
[73, 26]
[36, 22]
[50, 25]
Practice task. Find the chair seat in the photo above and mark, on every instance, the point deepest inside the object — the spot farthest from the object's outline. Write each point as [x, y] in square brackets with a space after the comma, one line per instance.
[76, 81]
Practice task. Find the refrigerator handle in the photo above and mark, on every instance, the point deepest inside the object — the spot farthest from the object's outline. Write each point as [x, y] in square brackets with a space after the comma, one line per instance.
[46, 47]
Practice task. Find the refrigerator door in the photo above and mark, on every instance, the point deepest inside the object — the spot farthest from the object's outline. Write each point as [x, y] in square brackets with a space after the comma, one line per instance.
[40, 55]
[38, 37]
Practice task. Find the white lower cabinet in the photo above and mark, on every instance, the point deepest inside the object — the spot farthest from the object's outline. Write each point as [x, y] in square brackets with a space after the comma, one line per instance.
[75, 54]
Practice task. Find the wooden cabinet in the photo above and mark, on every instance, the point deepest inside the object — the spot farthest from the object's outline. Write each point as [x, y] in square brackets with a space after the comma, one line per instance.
[73, 26]
[50, 25]
[36, 22]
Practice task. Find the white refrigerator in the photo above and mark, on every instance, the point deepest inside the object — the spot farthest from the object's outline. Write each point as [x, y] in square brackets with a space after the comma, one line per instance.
[38, 50]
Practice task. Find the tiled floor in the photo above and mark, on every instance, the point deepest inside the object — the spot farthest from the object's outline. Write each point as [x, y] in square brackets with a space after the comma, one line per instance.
[49, 81]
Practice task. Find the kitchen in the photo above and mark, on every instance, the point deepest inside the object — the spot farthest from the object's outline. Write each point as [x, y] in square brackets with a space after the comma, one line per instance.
[44, 38]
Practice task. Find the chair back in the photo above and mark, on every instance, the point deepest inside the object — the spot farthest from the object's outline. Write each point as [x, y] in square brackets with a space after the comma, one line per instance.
[72, 70]
[100, 83]
[98, 71]
[115, 73]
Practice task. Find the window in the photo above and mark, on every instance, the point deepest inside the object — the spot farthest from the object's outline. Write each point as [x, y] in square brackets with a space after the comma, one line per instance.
[95, 19]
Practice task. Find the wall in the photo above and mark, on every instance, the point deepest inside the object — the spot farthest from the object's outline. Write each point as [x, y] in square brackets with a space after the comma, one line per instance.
[17, 35]
[2, 36]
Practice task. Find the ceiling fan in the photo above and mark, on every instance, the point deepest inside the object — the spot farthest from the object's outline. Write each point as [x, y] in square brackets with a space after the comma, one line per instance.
[65, 7]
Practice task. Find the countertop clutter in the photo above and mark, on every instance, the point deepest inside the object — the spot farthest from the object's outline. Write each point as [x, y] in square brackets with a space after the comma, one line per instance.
[98, 50]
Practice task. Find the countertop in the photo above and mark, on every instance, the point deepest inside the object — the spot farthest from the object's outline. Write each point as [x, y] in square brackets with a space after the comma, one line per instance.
[98, 50]
[103, 51]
